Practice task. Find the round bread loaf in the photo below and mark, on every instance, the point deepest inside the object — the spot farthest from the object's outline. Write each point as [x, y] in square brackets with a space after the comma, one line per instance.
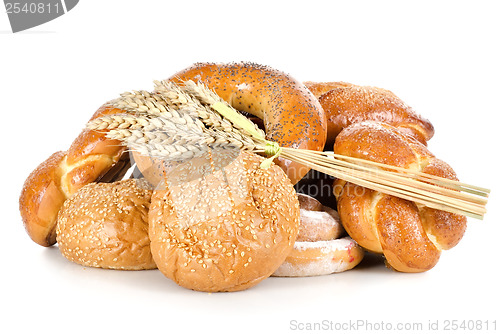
[226, 231]
[106, 225]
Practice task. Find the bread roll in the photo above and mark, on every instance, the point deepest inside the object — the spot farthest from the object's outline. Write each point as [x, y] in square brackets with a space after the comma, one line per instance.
[410, 236]
[105, 225]
[320, 88]
[90, 158]
[292, 116]
[345, 104]
[226, 231]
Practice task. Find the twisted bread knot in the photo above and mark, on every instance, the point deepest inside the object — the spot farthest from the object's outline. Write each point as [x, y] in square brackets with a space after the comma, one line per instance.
[91, 157]
[410, 236]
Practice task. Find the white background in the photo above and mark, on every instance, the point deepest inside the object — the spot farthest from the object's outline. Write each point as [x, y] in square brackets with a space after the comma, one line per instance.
[441, 57]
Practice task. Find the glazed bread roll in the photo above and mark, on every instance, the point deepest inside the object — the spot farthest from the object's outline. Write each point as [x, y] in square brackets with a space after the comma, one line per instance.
[91, 157]
[105, 225]
[410, 236]
[226, 231]
[345, 104]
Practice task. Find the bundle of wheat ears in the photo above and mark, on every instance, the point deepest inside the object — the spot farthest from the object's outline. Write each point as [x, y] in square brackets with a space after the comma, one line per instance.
[180, 122]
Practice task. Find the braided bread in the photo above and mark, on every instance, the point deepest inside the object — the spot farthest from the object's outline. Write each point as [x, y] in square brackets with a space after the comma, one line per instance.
[409, 235]
[345, 104]
[91, 157]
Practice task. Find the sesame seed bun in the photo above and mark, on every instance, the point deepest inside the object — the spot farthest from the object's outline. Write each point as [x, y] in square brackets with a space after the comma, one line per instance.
[227, 231]
[106, 225]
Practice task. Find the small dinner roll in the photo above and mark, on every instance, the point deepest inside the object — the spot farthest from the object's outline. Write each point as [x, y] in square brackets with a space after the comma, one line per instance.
[92, 157]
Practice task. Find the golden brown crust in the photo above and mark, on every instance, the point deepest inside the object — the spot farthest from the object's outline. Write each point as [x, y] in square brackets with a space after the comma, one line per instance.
[382, 143]
[320, 88]
[89, 158]
[233, 245]
[447, 228]
[354, 207]
[292, 115]
[105, 225]
[42, 191]
[345, 104]
[406, 246]
[91, 142]
[410, 236]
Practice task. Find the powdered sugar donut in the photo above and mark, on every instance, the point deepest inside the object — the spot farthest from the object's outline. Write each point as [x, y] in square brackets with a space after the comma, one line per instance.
[317, 222]
[319, 225]
[314, 258]
[317, 250]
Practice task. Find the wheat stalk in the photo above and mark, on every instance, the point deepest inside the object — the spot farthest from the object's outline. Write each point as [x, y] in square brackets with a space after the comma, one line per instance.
[179, 122]
[206, 102]
[399, 184]
[172, 138]
[166, 100]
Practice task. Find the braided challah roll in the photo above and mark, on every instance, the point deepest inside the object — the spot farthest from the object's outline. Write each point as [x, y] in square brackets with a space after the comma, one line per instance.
[91, 157]
[410, 236]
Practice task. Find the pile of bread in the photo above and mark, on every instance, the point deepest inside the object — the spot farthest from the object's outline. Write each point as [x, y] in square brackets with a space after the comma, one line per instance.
[230, 229]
